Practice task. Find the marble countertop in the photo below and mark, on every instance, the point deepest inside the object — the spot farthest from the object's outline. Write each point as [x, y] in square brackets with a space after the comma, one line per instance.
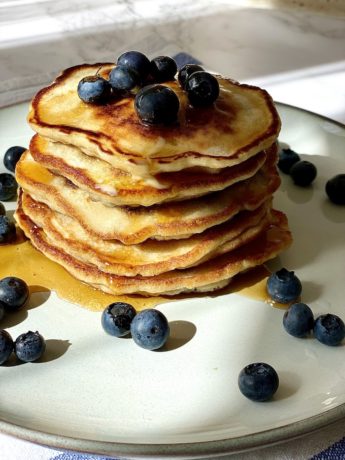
[294, 51]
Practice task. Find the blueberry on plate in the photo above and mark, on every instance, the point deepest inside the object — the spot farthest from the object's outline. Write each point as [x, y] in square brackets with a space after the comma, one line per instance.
[186, 71]
[2, 209]
[283, 286]
[287, 158]
[150, 329]
[157, 104]
[163, 68]
[124, 79]
[137, 61]
[94, 89]
[8, 187]
[12, 156]
[29, 346]
[303, 173]
[117, 317]
[202, 89]
[7, 230]
[329, 329]
[258, 381]
[6, 346]
[14, 293]
[298, 320]
[335, 189]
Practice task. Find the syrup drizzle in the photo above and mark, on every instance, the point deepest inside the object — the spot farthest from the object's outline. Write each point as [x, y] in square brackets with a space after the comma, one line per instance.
[22, 260]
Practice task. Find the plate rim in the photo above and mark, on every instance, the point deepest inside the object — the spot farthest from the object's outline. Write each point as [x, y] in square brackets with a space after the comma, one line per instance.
[180, 450]
[264, 438]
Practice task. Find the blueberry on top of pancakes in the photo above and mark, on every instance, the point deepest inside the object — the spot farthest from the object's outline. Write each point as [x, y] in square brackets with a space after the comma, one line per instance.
[202, 89]
[163, 68]
[136, 61]
[123, 79]
[157, 104]
[186, 71]
[94, 89]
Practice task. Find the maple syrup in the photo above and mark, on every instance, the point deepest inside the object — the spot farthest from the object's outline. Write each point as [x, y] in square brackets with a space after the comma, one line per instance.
[252, 284]
[22, 260]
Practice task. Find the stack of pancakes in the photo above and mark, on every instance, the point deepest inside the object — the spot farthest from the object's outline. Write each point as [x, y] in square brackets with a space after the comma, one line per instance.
[129, 208]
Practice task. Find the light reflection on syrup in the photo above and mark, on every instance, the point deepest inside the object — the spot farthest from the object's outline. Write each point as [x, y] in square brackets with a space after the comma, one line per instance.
[41, 274]
[252, 284]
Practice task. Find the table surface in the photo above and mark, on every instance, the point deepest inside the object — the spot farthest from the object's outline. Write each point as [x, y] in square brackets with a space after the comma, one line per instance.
[297, 54]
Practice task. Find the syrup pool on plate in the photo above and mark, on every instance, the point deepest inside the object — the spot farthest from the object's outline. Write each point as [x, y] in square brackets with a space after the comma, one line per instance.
[22, 260]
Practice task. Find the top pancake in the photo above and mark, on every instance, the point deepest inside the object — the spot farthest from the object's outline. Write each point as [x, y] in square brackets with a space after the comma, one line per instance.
[242, 122]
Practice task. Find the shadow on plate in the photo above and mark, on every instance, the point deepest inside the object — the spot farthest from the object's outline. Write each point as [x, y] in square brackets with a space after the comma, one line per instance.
[311, 291]
[289, 384]
[181, 332]
[55, 348]
[41, 295]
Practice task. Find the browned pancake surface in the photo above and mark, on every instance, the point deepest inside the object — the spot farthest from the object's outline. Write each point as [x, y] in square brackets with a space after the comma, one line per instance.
[242, 122]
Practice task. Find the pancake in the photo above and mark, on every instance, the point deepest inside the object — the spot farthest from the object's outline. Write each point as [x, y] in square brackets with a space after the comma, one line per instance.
[151, 257]
[135, 209]
[242, 122]
[209, 275]
[134, 225]
[110, 185]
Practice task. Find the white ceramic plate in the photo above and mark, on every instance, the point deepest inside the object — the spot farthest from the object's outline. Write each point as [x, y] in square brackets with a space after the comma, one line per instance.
[99, 394]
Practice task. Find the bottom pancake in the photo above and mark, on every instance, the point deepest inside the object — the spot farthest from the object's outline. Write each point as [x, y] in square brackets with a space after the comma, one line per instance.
[213, 274]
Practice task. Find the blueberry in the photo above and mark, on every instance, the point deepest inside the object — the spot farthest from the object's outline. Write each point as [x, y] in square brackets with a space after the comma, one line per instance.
[137, 61]
[8, 187]
[94, 89]
[163, 68]
[329, 329]
[124, 79]
[150, 329]
[7, 230]
[287, 158]
[14, 293]
[12, 156]
[157, 104]
[186, 71]
[202, 89]
[29, 346]
[283, 286]
[298, 320]
[117, 317]
[2, 209]
[303, 173]
[335, 189]
[258, 381]
[6, 346]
